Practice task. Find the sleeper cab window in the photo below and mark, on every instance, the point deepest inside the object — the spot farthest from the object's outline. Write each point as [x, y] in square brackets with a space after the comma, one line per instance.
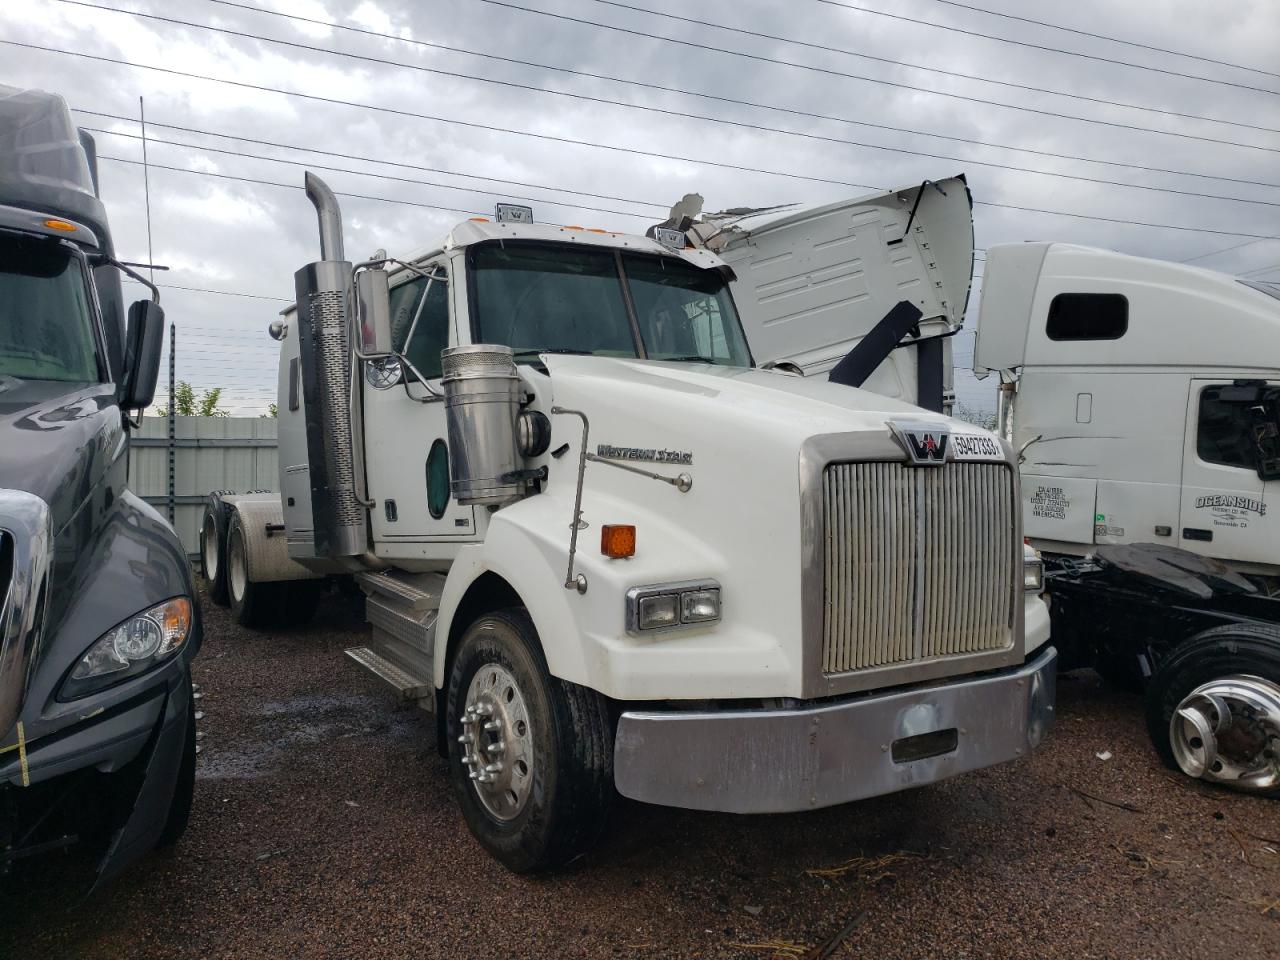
[1088, 316]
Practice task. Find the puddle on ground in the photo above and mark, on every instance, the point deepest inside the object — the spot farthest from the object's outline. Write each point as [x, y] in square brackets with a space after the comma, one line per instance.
[305, 722]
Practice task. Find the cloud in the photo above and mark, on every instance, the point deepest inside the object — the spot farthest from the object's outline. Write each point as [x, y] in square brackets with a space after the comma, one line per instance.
[251, 237]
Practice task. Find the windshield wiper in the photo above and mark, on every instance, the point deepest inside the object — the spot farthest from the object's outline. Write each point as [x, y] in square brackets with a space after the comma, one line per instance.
[691, 359]
[534, 351]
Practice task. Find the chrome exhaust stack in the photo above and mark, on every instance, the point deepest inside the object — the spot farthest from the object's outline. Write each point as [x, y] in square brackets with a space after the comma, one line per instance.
[326, 360]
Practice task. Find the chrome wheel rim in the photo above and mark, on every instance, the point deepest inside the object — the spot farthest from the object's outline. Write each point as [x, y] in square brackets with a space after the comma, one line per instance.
[497, 742]
[237, 570]
[1227, 731]
[210, 548]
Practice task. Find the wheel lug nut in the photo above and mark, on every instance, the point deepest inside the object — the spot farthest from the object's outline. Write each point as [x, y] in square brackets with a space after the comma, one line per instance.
[492, 726]
[495, 767]
[496, 748]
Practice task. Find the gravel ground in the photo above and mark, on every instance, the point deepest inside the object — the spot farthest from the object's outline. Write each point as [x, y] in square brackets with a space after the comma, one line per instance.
[324, 827]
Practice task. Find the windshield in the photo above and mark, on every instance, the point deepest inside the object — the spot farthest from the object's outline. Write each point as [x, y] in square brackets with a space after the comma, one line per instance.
[46, 329]
[569, 299]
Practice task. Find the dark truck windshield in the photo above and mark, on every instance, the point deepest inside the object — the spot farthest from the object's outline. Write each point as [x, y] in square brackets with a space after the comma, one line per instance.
[46, 323]
[561, 298]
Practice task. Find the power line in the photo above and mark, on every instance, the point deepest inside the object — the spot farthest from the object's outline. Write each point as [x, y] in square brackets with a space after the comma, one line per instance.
[568, 140]
[1048, 49]
[296, 186]
[1261, 270]
[914, 66]
[853, 76]
[445, 186]
[1214, 253]
[703, 117]
[1101, 36]
[378, 176]
[651, 109]
[723, 99]
[225, 293]
[390, 163]
[412, 203]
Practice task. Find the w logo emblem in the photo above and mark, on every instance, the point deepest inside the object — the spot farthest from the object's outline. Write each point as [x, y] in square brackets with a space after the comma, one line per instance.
[925, 447]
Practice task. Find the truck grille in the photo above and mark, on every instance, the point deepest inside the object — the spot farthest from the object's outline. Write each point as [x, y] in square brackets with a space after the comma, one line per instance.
[918, 562]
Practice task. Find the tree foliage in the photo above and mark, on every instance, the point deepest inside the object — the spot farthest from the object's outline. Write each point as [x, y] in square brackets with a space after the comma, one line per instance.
[187, 404]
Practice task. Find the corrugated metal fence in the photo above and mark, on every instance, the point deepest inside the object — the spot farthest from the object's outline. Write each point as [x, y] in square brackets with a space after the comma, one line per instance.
[211, 453]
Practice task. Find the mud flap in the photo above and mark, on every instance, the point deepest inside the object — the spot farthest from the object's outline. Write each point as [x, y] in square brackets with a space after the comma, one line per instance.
[151, 807]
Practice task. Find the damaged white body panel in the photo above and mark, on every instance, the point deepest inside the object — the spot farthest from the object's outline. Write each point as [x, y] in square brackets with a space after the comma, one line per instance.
[812, 282]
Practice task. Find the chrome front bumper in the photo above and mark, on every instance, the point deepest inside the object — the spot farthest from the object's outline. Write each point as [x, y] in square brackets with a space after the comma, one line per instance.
[776, 761]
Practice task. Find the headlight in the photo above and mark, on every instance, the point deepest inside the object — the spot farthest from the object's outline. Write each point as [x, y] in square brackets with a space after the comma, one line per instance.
[1033, 574]
[130, 648]
[665, 606]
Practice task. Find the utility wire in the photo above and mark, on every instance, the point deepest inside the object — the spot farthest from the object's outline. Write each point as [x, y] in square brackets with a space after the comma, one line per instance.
[853, 76]
[225, 293]
[1214, 253]
[376, 176]
[665, 15]
[723, 99]
[297, 186]
[1048, 49]
[702, 117]
[365, 58]
[411, 203]
[1100, 36]
[548, 200]
[567, 140]
[389, 163]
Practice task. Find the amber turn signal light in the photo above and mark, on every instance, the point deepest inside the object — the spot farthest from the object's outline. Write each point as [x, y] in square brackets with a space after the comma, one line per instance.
[618, 540]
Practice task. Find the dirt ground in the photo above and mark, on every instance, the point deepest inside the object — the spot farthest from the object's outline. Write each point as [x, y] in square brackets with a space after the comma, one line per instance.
[324, 827]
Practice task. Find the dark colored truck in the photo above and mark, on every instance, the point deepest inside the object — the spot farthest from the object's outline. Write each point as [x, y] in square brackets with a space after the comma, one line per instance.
[98, 616]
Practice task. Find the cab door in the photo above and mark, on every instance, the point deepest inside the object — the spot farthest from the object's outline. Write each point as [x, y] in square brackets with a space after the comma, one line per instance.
[1227, 511]
[405, 437]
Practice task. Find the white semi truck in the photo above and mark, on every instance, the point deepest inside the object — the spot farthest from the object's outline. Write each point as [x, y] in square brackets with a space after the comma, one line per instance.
[609, 553]
[1143, 399]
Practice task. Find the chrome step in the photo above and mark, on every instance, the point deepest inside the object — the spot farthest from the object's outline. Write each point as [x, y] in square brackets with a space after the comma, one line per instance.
[405, 684]
[420, 591]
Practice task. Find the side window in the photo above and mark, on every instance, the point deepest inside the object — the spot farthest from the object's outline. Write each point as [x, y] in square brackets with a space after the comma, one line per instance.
[1088, 316]
[1223, 431]
[428, 301]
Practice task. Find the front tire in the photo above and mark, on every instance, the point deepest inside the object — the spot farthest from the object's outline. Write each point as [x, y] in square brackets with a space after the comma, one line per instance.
[530, 755]
[1213, 708]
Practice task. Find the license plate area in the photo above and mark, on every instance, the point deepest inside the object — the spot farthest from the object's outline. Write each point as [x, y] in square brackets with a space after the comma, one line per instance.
[923, 746]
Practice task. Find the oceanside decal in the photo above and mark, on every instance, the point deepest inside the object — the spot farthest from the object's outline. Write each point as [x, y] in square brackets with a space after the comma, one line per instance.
[652, 454]
[1248, 504]
[1231, 510]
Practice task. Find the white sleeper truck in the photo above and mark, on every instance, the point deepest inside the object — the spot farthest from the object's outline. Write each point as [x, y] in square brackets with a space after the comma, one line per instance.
[609, 553]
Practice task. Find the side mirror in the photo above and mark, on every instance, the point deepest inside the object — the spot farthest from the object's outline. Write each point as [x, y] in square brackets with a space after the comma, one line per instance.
[144, 339]
[373, 310]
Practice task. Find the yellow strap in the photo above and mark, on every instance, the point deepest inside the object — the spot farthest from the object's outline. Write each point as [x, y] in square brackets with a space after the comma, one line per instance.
[21, 747]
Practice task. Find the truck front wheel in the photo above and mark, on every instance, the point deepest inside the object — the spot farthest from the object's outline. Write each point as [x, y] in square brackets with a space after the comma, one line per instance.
[1213, 708]
[530, 755]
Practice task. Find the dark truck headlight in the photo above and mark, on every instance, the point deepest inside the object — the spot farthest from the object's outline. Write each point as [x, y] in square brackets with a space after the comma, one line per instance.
[130, 648]
[666, 606]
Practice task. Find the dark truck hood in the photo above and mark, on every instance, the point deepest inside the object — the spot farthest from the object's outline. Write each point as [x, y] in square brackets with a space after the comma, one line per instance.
[57, 440]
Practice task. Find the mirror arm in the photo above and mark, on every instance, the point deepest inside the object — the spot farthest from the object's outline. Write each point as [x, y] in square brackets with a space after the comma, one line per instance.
[125, 269]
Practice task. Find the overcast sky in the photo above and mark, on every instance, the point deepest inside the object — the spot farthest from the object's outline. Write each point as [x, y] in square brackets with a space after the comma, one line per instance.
[233, 236]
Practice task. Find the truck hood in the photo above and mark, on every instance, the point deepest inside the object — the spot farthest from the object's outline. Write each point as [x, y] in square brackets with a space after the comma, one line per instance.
[681, 396]
[57, 440]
